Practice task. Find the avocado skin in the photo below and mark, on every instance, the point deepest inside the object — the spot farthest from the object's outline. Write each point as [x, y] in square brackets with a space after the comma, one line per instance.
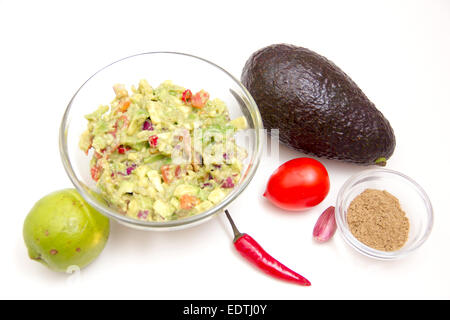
[317, 108]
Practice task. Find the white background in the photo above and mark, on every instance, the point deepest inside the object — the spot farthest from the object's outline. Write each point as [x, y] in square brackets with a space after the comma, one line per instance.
[397, 51]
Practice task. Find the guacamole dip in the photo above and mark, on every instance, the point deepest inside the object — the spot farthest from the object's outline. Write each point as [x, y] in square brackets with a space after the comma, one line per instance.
[163, 153]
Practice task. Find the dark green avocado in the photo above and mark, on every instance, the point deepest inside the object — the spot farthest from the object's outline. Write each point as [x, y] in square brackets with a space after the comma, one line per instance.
[317, 108]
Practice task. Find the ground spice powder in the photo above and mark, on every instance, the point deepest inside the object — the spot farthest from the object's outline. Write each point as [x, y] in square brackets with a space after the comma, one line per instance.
[376, 218]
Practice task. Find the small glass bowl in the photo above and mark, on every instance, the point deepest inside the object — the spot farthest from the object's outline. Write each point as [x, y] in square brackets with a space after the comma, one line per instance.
[183, 69]
[413, 201]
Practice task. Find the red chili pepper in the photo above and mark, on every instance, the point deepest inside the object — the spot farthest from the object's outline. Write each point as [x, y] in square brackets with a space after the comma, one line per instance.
[153, 140]
[123, 149]
[187, 95]
[253, 252]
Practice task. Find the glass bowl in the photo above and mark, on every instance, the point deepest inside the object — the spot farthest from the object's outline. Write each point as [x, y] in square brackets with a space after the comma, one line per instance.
[183, 69]
[413, 201]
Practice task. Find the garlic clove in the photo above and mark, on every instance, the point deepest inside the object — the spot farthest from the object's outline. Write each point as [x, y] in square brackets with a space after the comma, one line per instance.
[325, 226]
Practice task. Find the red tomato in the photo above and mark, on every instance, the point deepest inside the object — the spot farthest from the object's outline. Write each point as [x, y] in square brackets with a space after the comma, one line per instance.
[199, 99]
[95, 172]
[124, 104]
[170, 172]
[188, 202]
[298, 184]
[177, 171]
[166, 174]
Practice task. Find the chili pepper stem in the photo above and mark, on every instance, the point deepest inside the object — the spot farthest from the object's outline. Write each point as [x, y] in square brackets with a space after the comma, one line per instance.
[237, 233]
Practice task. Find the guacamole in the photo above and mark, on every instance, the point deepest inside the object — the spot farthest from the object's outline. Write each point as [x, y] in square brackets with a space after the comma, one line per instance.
[163, 153]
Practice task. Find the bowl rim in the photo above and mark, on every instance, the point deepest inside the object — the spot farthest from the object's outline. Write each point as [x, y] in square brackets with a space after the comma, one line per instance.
[172, 224]
[361, 247]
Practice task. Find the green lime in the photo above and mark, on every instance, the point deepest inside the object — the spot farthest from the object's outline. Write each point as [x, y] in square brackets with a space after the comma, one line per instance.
[63, 231]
